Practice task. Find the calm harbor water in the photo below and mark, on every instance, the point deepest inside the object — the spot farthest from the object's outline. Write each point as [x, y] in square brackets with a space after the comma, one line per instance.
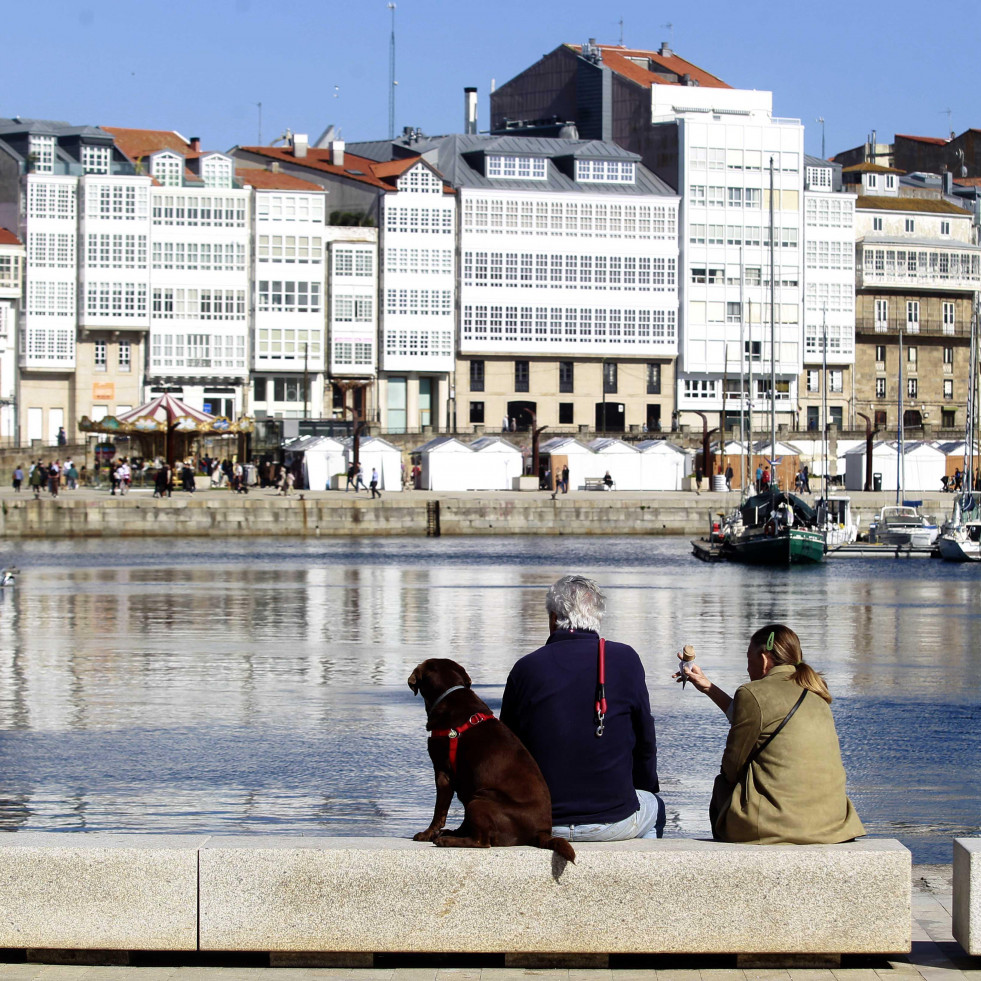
[260, 686]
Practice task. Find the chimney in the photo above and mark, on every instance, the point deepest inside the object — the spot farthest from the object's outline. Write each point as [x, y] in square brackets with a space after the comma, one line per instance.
[470, 111]
[665, 51]
[300, 143]
[196, 144]
[337, 153]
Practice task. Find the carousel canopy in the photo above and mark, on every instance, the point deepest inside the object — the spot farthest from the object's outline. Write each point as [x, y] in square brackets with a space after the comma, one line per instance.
[166, 414]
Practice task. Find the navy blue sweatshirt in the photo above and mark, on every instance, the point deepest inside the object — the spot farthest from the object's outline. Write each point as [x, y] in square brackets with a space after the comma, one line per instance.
[549, 703]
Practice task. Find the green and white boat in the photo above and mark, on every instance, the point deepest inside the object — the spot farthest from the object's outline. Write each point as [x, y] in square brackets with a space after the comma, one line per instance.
[775, 529]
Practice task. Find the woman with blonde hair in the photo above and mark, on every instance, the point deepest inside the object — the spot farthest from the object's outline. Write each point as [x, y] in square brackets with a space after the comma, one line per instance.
[782, 779]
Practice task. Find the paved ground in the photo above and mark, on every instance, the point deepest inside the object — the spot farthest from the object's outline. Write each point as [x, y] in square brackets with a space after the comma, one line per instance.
[935, 957]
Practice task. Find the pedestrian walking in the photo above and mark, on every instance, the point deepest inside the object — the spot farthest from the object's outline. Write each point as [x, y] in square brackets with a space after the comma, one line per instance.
[375, 492]
[359, 484]
[38, 478]
[729, 476]
[54, 478]
[18, 477]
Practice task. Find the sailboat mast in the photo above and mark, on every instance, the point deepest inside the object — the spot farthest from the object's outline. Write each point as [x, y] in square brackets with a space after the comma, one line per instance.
[773, 345]
[742, 356]
[899, 429]
[972, 402]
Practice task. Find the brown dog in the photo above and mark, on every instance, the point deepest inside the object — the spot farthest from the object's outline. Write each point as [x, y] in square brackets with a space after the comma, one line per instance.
[504, 795]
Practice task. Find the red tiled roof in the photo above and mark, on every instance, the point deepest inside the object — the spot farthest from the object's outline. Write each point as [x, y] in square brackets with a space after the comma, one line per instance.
[136, 143]
[621, 60]
[355, 168]
[7, 237]
[867, 167]
[936, 140]
[267, 180]
[968, 181]
[883, 203]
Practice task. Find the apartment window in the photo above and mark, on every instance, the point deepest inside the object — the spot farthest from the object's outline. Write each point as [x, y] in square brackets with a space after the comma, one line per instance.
[911, 224]
[95, 159]
[477, 412]
[734, 313]
[476, 376]
[876, 224]
[948, 318]
[42, 149]
[609, 377]
[653, 379]
[911, 387]
[735, 197]
[948, 418]
[948, 388]
[948, 355]
[753, 350]
[101, 353]
[125, 355]
[911, 356]
[880, 352]
[565, 414]
[752, 197]
[872, 180]
[836, 380]
[259, 390]
[913, 316]
[566, 377]
[881, 314]
[521, 376]
[890, 182]
[813, 380]
[880, 388]
[945, 228]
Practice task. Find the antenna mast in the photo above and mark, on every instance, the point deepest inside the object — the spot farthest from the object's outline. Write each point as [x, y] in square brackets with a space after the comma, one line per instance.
[391, 77]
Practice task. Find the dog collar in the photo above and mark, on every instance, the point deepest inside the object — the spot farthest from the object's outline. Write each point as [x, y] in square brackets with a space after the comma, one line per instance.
[454, 734]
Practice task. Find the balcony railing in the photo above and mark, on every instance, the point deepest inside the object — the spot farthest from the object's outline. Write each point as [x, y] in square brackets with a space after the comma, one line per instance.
[932, 326]
[903, 279]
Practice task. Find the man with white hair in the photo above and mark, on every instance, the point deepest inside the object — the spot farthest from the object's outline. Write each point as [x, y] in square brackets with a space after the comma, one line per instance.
[581, 707]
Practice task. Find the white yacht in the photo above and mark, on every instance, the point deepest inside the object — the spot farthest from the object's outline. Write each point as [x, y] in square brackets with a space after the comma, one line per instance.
[902, 524]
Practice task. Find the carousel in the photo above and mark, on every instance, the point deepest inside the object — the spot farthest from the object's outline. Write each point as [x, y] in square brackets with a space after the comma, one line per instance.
[171, 429]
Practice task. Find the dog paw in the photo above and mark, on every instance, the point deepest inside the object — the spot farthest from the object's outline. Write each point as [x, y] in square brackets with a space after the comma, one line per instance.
[428, 835]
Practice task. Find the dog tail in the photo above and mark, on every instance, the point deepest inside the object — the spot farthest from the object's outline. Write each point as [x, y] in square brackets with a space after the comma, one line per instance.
[558, 845]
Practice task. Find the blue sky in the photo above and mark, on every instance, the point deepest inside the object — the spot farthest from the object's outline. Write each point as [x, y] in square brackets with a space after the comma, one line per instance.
[202, 67]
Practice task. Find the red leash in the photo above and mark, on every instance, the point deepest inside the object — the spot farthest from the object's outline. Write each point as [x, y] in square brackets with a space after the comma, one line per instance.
[454, 734]
[601, 689]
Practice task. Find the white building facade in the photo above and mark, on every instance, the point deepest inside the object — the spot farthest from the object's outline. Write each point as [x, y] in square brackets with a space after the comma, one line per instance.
[200, 269]
[11, 291]
[288, 352]
[726, 141]
[568, 290]
[419, 282]
[829, 299]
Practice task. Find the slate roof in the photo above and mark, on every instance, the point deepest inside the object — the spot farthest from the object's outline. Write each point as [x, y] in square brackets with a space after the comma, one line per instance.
[458, 158]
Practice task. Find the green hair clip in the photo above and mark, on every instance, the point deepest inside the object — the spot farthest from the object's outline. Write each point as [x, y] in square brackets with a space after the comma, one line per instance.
[769, 641]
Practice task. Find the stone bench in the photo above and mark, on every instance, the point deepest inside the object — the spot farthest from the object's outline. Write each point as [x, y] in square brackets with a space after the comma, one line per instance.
[967, 894]
[354, 897]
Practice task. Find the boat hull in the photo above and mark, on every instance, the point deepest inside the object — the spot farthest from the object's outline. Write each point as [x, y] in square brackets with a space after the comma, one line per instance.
[952, 550]
[797, 546]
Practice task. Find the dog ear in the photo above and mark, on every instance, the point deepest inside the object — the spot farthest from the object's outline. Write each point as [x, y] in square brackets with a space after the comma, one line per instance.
[414, 682]
[466, 678]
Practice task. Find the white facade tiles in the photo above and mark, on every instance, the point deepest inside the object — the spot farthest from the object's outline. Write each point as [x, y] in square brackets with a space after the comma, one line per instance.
[419, 279]
[50, 232]
[553, 272]
[289, 344]
[726, 142]
[353, 295]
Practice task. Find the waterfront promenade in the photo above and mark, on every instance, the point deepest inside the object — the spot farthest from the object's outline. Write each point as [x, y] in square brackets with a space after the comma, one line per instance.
[89, 512]
[935, 957]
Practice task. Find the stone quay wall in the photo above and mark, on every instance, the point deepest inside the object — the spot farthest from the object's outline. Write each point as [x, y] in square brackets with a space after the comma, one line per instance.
[221, 513]
[225, 515]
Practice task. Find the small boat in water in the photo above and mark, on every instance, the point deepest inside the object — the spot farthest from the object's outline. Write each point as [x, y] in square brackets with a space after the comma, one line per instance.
[834, 517]
[775, 529]
[960, 537]
[902, 524]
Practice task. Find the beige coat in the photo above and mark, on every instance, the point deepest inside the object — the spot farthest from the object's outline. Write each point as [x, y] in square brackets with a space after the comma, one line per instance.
[794, 791]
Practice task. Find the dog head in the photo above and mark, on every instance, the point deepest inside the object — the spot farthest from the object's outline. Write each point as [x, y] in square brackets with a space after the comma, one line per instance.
[435, 676]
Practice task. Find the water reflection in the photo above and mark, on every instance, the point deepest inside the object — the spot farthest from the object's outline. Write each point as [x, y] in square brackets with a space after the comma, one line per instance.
[235, 686]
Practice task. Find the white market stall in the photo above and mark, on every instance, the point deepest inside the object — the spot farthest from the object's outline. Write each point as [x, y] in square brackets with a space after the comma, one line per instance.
[376, 453]
[581, 460]
[499, 463]
[923, 466]
[321, 458]
[447, 465]
[621, 460]
[663, 466]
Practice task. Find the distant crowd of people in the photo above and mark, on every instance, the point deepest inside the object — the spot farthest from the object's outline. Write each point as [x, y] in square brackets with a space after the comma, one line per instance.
[50, 477]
